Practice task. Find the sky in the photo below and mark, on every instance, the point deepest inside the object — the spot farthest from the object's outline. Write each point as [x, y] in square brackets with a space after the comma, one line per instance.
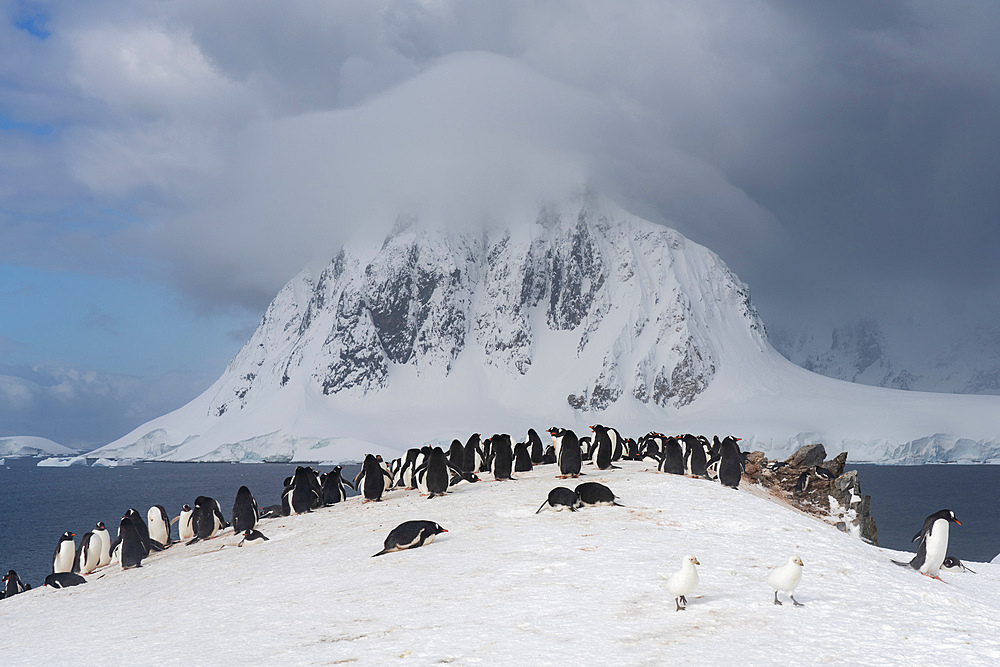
[166, 166]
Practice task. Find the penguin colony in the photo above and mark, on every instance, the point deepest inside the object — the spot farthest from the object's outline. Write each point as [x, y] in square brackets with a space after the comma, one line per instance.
[432, 471]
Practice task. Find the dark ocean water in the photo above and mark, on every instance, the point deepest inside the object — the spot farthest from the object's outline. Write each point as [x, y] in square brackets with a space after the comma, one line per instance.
[902, 496]
[37, 505]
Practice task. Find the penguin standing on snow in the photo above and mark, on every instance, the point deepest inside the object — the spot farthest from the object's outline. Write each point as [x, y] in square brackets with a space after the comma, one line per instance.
[12, 585]
[65, 553]
[206, 518]
[672, 460]
[568, 454]
[128, 546]
[522, 458]
[603, 447]
[695, 458]
[88, 556]
[301, 494]
[410, 535]
[333, 486]
[435, 473]
[246, 513]
[933, 545]
[473, 455]
[159, 525]
[140, 526]
[730, 462]
[101, 532]
[372, 479]
[502, 459]
[185, 530]
[456, 455]
[535, 447]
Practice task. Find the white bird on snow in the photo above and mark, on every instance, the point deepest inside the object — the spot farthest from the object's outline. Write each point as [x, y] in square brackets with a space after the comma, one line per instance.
[683, 581]
[786, 578]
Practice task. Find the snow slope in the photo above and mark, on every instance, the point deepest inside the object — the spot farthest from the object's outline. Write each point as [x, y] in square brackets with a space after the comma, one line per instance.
[29, 445]
[505, 585]
[585, 314]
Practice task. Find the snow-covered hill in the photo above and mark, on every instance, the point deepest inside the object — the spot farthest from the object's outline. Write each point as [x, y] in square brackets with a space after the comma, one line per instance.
[29, 445]
[506, 585]
[904, 355]
[582, 314]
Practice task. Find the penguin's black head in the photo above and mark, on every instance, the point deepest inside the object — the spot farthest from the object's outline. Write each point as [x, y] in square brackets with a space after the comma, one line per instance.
[100, 525]
[951, 517]
[438, 529]
[186, 508]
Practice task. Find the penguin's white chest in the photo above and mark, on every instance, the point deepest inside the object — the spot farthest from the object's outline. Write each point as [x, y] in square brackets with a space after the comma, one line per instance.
[936, 547]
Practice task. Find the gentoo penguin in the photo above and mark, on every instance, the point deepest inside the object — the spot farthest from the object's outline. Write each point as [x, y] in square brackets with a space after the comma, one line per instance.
[410, 535]
[128, 546]
[246, 513]
[185, 529]
[88, 555]
[473, 455]
[333, 486]
[253, 536]
[140, 525]
[456, 455]
[933, 545]
[12, 585]
[549, 456]
[302, 493]
[535, 447]
[672, 459]
[64, 580]
[372, 479]
[206, 518]
[786, 578]
[435, 473]
[683, 581]
[408, 469]
[65, 553]
[730, 462]
[522, 458]
[561, 498]
[501, 457]
[102, 533]
[695, 458]
[604, 448]
[594, 493]
[159, 525]
[952, 563]
[568, 454]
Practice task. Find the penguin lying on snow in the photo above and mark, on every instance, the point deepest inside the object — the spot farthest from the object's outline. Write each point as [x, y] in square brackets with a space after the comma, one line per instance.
[933, 545]
[253, 536]
[410, 535]
[64, 580]
[561, 498]
[952, 564]
[595, 493]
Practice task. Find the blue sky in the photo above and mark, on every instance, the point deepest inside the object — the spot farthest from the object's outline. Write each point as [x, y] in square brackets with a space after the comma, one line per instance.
[166, 166]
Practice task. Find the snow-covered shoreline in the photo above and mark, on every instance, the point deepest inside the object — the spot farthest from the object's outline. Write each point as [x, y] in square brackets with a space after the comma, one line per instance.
[507, 585]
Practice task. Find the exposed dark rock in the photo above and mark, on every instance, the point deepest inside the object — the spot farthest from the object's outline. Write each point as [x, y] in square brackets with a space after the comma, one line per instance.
[836, 464]
[807, 457]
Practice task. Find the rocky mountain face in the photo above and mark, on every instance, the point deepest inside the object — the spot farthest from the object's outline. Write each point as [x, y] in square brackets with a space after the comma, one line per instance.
[864, 352]
[636, 304]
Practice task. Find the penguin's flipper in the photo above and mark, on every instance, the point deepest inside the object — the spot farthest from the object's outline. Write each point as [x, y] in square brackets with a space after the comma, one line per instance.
[384, 551]
[156, 546]
[901, 564]
[542, 506]
[715, 457]
[192, 541]
[348, 483]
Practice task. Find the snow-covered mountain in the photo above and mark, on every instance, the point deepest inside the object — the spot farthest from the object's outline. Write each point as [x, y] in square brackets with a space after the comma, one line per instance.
[872, 352]
[582, 314]
[29, 445]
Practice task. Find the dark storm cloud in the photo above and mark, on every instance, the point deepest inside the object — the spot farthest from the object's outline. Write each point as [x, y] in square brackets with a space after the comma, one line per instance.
[839, 156]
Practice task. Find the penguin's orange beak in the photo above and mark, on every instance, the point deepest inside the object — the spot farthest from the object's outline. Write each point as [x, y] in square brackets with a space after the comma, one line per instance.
[444, 530]
[958, 522]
